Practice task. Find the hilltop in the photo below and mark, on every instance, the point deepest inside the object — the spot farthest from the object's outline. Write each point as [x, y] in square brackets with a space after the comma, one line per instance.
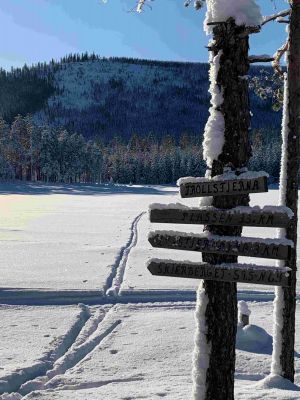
[104, 98]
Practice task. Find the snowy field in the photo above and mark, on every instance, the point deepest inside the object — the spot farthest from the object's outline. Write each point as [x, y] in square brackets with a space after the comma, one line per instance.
[133, 338]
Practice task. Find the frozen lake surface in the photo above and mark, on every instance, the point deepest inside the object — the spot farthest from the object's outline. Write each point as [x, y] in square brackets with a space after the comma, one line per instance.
[133, 338]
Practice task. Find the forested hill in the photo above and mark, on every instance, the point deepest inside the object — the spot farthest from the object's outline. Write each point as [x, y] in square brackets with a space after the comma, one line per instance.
[105, 98]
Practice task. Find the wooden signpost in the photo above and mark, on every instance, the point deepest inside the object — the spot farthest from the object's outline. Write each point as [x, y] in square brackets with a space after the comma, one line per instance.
[236, 246]
[274, 217]
[242, 216]
[223, 188]
[258, 274]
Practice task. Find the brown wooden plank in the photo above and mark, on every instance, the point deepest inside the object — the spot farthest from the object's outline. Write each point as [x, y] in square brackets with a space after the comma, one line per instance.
[250, 247]
[262, 275]
[224, 188]
[216, 216]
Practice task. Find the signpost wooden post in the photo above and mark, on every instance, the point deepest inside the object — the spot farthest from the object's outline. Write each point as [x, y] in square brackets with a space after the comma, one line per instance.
[229, 246]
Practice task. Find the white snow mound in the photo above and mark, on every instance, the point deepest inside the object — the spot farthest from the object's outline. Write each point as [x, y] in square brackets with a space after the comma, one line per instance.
[278, 382]
[254, 339]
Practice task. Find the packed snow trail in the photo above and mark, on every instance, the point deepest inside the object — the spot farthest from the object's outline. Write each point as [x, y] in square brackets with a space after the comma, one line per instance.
[91, 335]
[13, 381]
[149, 353]
[116, 278]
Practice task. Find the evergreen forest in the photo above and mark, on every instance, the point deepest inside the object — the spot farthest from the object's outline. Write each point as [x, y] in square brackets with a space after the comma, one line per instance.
[91, 119]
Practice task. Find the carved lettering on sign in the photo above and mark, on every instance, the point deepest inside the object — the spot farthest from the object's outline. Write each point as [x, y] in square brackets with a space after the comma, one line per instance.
[263, 275]
[250, 247]
[219, 217]
[224, 188]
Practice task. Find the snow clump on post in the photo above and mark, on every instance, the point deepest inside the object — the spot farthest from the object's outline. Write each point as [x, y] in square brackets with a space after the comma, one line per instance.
[244, 12]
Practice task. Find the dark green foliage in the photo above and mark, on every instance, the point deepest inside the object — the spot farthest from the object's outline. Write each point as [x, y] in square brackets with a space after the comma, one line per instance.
[23, 91]
[268, 85]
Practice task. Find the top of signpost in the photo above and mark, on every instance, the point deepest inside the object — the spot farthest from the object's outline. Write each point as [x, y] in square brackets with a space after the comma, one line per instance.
[224, 185]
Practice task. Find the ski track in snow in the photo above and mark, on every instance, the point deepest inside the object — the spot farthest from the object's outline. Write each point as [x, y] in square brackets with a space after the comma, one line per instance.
[115, 280]
[113, 284]
[91, 335]
[13, 381]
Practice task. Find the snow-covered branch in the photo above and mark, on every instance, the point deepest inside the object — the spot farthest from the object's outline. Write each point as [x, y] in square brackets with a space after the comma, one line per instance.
[276, 16]
[282, 20]
[277, 57]
[260, 58]
[140, 5]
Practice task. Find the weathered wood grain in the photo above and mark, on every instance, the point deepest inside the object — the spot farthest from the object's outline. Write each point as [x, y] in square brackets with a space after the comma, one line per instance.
[250, 247]
[219, 217]
[263, 275]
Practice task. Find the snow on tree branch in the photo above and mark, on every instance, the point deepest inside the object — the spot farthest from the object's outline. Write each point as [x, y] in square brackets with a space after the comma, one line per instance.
[140, 5]
[260, 58]
[277, 57]
[276, 16]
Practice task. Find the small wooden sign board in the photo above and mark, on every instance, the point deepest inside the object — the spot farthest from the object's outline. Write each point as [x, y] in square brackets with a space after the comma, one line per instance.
[215, 216]
[224, 187]
[264, 275]
[237, 246]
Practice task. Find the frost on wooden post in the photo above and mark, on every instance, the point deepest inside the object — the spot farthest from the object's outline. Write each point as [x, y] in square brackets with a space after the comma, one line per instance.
[214, 130]
[244, 12]
[279, 301]
[202, 347]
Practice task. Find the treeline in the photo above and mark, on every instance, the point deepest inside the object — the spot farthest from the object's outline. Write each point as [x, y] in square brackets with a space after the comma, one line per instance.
[42, 153]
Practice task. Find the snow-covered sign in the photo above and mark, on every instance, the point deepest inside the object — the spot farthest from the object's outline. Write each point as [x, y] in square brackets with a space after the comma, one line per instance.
[279, 249]
[269, 216]
[246, 273]
[202, 187]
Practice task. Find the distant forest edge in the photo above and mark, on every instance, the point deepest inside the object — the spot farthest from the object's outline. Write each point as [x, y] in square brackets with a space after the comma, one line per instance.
[33, 152]
[128, 120]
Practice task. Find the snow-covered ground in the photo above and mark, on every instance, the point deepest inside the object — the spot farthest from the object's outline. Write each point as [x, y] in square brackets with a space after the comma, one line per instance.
[32, 338]
[74, 244]
[66, 241]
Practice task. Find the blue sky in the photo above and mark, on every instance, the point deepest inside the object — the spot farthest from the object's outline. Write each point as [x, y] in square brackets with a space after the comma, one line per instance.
[38, 30]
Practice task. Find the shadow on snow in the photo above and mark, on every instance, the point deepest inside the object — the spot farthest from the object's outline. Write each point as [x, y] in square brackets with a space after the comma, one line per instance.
[83, 189]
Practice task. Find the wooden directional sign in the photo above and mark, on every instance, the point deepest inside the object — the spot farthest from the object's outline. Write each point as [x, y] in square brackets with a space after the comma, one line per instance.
[238, 246]
[224, 188]
[263, 275]
[244, 216]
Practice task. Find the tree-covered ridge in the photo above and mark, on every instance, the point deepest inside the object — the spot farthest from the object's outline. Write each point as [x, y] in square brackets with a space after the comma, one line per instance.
[99, 97]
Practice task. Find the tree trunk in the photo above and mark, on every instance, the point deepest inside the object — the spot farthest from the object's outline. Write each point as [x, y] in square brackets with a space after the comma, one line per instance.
[291, 201]
[221, 311]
